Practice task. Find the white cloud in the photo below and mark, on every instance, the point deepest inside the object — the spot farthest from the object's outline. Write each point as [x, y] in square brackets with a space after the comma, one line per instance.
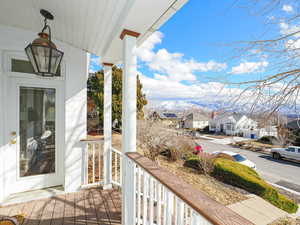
[287, 29]
[145, 51]
[249, 67]
[156, 88]
[293, 44]
[287, 8]
[173, 65]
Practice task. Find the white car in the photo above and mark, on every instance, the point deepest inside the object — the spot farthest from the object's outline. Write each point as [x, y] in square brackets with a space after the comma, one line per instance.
[239, 158]
[291, 152]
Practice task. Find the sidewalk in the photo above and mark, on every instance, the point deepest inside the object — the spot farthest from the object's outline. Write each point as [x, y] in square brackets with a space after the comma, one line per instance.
[224, 141]
[258, 211]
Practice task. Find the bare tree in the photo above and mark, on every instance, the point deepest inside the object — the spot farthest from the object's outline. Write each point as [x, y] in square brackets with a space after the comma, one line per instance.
[154, 138]
[279, 47]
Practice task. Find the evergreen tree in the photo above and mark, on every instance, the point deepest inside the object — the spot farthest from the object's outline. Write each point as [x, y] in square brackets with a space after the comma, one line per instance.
[96, 92]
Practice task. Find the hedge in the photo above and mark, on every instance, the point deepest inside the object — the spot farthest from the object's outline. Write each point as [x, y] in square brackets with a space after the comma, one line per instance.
[192, 161]
[246, 178]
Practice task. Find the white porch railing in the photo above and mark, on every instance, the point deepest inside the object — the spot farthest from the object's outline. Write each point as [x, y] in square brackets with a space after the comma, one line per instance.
[116, 166]
[93, 164]
[156, 204]
[161, 198]
[152, 195]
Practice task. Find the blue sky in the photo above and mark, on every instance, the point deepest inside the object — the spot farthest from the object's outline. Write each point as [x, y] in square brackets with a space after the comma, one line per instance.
[191, 56]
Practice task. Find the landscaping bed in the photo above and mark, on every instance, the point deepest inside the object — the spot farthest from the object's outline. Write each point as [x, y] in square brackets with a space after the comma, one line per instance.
[222, 193]
[286, 221]
[254, 146]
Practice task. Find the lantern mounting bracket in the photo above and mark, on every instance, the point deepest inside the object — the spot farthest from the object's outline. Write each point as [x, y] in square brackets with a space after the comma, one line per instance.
[46, 14]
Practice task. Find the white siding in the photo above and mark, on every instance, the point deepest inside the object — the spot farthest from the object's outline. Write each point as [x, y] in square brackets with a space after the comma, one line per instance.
[76, 116]
[195, 124]
[74, 121]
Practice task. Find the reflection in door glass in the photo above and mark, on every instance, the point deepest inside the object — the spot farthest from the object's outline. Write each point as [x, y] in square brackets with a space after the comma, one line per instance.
[37, 131]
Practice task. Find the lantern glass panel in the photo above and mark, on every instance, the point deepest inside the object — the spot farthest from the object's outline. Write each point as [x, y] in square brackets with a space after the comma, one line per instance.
[31, 58]
[42, 56]
[56, 57]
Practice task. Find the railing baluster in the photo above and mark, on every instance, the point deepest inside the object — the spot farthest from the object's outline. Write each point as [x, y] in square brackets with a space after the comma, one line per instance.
[158, 203]
[145, 203]
[121, 169]
[151, 203]
[116, 166]
[169, 207]
[99, 164]
[93, 161]
[139, 184]
[180, 212]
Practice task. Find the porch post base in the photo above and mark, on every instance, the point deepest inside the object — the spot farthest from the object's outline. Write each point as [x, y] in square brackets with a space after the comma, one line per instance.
[107, 186]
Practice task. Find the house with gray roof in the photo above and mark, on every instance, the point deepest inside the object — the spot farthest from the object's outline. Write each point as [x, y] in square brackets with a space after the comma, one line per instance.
[232, 123]
[196, 121]
[167, 118]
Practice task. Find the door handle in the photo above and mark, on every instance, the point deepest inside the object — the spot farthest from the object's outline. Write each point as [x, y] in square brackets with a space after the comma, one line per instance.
[13, 140]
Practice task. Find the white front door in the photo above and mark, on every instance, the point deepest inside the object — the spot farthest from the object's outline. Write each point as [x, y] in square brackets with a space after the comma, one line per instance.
[33, 156]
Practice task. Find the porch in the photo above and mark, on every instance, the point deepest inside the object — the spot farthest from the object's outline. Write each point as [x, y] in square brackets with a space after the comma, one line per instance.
[89, 206]
[112, 30]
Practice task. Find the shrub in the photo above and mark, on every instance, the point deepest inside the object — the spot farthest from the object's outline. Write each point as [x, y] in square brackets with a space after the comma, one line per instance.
[204, 163]
[178, 148]
[172, 154]
[267, 140]
[244, 177]
[224, 156]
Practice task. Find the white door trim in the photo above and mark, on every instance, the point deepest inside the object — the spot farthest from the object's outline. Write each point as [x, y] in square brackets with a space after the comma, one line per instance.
[30, 80]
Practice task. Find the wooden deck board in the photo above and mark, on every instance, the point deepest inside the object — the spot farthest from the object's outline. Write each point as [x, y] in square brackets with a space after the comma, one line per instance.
[87, 207]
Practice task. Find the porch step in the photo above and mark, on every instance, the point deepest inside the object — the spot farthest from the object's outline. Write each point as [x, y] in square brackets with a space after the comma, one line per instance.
[33, 195]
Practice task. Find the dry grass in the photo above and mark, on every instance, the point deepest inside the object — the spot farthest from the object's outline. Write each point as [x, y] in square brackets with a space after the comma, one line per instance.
[223, 194]
[286, 221]
[218, 136]
[257, 144]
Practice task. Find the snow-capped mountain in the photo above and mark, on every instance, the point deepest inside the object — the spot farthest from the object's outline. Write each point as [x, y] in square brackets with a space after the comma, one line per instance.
[182, 105]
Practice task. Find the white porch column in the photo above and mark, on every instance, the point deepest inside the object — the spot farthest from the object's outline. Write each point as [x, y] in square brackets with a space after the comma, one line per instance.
[129, 124]
[107, 116]
[129, 80]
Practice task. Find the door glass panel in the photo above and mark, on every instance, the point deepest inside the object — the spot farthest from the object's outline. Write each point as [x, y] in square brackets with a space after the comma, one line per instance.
[37, 131]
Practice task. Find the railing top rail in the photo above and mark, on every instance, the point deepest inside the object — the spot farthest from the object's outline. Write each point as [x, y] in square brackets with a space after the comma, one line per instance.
[92, 140]
[116, 150]
[200, 202]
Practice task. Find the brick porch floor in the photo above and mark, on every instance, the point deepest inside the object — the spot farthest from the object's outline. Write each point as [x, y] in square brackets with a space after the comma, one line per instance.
[90, 206]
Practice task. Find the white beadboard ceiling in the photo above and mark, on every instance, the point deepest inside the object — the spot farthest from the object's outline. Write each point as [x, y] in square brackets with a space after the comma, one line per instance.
[91, 25]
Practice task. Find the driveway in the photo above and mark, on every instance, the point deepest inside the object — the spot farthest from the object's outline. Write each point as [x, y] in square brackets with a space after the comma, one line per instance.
[281, 172]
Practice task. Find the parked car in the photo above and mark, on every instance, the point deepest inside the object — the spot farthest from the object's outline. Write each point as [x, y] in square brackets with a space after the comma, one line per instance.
[237, 158]
[291, 152]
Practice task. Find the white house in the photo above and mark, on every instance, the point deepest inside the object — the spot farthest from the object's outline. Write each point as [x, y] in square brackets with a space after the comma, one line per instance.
[239, 124]
[232, 124]
[196, 121]
[43, 106]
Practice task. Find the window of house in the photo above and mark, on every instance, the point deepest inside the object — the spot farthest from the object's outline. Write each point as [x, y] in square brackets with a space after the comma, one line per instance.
[24, 66]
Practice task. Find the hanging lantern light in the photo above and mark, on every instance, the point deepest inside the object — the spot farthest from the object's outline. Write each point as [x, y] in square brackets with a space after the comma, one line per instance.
[42, 52]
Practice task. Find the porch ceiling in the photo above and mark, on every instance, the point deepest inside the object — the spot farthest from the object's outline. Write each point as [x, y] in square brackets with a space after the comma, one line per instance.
[93, 25]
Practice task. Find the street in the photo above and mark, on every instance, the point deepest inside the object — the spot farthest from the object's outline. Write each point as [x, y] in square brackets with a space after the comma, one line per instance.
[281, 172]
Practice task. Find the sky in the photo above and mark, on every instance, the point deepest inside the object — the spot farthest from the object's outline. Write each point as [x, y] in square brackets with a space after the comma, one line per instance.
[192, 57]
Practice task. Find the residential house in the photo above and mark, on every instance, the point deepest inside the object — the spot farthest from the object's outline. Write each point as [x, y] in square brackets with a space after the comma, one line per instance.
[232, 124]
[238, 124]
[170, 119]
[196, 121]
[43, 116]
